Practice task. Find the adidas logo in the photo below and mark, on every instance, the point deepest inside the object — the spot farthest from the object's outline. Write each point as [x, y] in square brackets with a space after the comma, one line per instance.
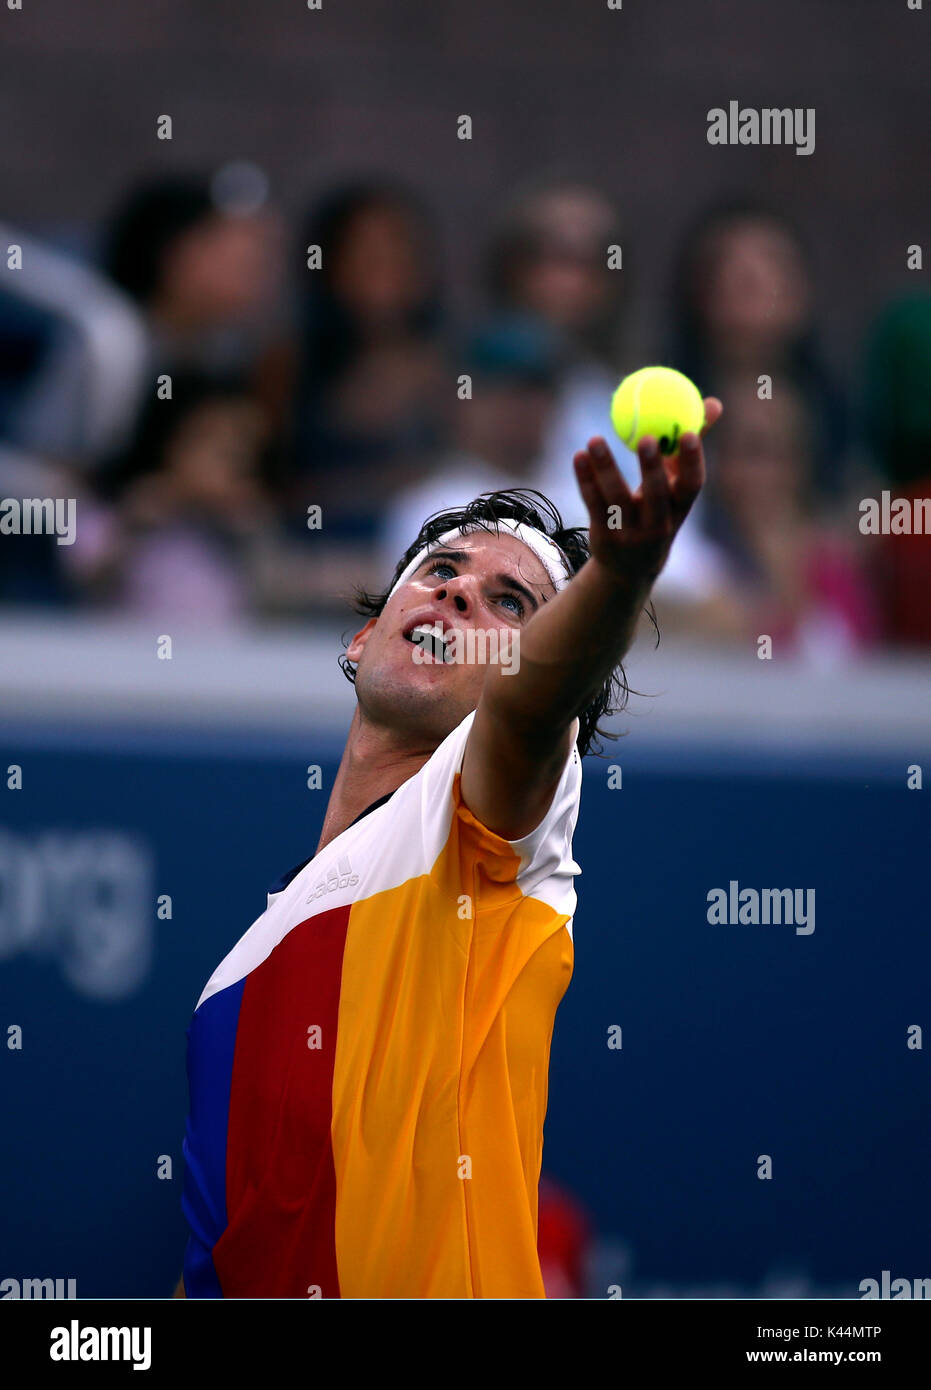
[334, 878]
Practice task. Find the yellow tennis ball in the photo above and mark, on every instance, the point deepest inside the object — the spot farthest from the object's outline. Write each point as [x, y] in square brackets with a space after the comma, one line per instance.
[657, 401]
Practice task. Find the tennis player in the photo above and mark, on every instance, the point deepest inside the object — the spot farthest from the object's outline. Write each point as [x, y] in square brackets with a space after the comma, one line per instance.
[368, 1066]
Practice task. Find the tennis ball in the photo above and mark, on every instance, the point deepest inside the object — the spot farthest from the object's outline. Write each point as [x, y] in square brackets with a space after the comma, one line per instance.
[657, 401]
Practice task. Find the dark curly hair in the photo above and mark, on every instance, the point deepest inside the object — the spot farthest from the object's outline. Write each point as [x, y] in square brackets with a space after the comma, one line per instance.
[533, 508]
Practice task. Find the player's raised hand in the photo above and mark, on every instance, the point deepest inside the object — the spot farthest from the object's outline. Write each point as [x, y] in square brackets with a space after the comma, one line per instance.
[631, 532]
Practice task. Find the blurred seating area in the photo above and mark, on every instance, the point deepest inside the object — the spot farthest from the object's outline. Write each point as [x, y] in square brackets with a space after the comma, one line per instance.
[255, 413]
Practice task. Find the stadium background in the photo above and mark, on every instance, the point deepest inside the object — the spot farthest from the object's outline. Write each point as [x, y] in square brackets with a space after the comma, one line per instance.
[188, 778]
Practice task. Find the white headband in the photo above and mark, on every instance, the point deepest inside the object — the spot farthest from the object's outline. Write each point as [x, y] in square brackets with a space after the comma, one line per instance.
[547, 552]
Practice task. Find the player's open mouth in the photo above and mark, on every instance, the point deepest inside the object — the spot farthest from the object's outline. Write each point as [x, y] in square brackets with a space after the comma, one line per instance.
[430, 639]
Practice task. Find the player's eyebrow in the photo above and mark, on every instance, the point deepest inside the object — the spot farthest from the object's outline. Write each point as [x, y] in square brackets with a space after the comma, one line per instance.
[463, 557]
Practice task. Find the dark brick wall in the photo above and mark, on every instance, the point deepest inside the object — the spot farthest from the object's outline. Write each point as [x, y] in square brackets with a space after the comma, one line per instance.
[620, 97]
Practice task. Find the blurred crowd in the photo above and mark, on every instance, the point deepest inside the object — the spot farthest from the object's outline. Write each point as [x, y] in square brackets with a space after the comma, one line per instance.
[254, 417]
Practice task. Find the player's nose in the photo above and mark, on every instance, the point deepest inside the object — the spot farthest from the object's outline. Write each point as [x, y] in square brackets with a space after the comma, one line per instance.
[458, 590]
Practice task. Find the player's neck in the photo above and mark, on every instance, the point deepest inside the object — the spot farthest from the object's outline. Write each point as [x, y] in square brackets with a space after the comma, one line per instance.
[375, 761]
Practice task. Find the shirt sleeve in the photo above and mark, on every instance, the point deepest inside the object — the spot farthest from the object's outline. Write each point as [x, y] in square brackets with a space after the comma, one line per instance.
[544, 855]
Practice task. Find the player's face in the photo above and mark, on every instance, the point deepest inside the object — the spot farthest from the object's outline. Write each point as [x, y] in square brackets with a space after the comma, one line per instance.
[484, 584]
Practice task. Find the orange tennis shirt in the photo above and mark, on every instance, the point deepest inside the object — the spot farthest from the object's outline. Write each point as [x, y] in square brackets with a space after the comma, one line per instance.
[368, 1067]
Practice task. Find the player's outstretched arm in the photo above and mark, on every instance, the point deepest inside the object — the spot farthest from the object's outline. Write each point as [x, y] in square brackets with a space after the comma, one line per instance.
[521, 733]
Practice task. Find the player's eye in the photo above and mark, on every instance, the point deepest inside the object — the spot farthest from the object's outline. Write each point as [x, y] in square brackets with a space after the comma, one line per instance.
[519, 609]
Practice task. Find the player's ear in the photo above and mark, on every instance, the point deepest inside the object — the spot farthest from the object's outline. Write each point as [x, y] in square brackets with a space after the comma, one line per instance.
[357, 645]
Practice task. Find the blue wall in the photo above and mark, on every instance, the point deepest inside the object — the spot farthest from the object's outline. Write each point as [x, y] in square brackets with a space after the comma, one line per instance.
[737, 1040]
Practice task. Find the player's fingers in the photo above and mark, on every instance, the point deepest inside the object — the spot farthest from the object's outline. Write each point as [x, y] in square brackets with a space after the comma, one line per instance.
[690, 473]
[608, 477]
[585, 477]
[713, 412]
[654, 490]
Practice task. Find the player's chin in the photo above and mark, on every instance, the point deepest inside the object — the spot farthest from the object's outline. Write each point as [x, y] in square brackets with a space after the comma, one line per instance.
[456, 684]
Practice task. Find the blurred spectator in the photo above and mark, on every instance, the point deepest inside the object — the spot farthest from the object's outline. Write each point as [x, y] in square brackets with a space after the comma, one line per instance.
[372, 379]
[764, 563]
[897, 392]
[72, 356]
[170, 532]
[548, 257]
[202, 259]
[497, 436]
[742, 302]
[563, 1241]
